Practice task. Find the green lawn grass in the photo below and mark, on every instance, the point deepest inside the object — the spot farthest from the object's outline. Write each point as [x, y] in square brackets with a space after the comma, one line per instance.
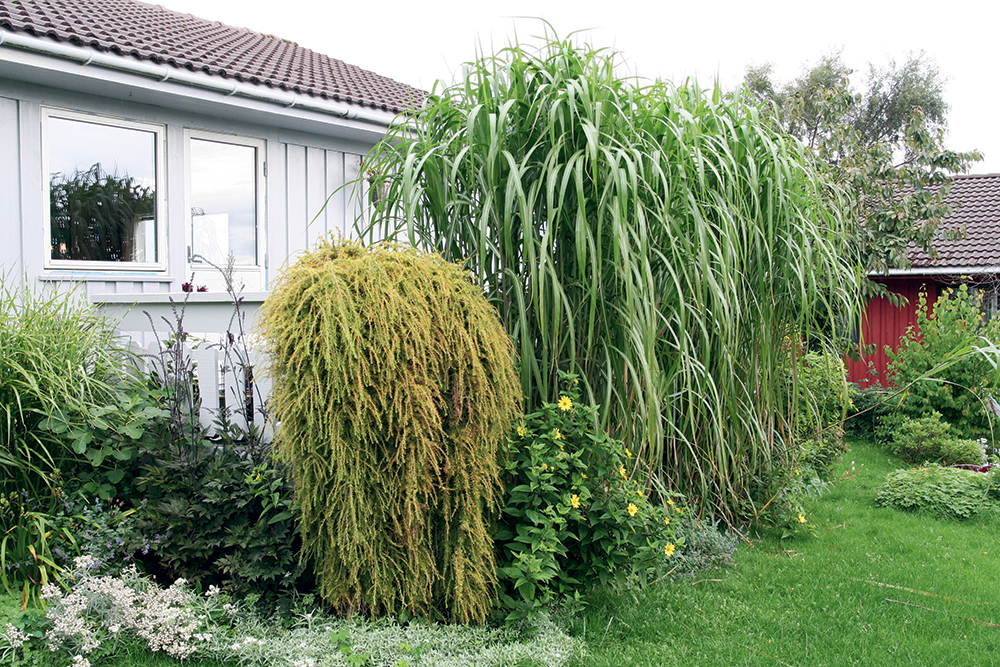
[871, 587]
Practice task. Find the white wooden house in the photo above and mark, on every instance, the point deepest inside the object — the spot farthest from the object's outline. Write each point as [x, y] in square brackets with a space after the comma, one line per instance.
[206, 140]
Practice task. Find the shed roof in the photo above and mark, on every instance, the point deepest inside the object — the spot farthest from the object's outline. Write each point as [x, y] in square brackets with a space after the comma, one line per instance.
[154, 33]
[975, 203]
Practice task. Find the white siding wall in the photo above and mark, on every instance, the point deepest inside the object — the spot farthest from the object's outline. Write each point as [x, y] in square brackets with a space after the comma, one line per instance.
[10, 189]
[303, 171]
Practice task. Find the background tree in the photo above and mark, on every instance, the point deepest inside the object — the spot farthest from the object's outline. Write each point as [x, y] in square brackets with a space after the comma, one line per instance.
[883, 148]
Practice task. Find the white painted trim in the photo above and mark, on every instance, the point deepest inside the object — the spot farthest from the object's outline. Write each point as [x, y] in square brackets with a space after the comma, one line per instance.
[165, 75]
[178, 297]
[159, 142]
[939, 271]
[256, 272]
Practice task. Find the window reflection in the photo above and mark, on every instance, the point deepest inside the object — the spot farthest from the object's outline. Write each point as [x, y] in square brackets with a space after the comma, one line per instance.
[102, 192]
[223, 202]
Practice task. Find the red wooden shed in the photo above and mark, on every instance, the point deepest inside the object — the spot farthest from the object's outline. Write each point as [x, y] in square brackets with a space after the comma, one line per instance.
[973, 258]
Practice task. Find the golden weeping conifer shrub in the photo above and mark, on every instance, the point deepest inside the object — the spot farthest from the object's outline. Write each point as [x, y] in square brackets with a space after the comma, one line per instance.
[395, 387]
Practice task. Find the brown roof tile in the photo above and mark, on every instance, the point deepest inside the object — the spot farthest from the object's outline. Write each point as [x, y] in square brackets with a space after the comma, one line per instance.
[163, 36]
[975, 203]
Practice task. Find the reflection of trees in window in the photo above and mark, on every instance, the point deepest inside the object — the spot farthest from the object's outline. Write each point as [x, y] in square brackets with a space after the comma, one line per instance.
[101, 217]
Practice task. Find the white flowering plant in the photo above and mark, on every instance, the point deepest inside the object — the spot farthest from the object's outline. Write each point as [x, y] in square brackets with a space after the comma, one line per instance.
[102, 613]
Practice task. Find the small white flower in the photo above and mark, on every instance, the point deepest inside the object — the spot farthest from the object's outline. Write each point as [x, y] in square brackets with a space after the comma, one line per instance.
[113, 629]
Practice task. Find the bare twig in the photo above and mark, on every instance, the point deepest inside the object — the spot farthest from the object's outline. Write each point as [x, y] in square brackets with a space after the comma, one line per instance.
[937, 611]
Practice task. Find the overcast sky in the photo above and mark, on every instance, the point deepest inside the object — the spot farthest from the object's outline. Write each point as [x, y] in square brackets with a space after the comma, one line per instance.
[421, 42]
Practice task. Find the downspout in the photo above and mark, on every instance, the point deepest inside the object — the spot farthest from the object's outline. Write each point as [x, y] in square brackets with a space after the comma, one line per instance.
[163, 74]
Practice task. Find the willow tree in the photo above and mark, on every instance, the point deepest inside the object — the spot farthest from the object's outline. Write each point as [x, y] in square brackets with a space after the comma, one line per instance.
[661, 242]
[394, 384]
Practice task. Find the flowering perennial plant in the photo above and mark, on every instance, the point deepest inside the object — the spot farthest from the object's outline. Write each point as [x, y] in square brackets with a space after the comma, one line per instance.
[575, 514]
[103, 612]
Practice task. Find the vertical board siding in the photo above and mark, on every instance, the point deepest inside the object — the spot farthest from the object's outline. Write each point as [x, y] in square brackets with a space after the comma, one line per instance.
[295, 201]
[335, 192]
[315, 195]
[10, 189]
[883, 325]
[276, 212]
[355, 202]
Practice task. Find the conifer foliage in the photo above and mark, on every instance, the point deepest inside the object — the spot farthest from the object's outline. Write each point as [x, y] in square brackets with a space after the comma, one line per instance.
[395, 386]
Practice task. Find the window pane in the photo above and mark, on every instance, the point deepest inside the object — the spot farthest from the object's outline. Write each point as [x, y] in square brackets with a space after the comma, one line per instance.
[223, 202]
[102, 192]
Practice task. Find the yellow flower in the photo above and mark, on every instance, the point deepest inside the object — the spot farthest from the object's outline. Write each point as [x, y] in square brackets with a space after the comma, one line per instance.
[574, 500]
[576, 380]
[556, 434]
[520, 431]
[670, 502]
[668, 550]
[545, 465]
[802, 519]
[621, 471]
[583, 475]
[632, 509]
[666, 520]
[628, 453]
[565, 403]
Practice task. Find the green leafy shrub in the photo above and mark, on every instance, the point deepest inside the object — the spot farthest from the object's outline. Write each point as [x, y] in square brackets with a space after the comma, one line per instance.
[574, 514]
[220, 514]
[947, 492]
[394, 386]
[957, 391]
[930, 439]
[822, 402]
[211, 507]
[866, 407]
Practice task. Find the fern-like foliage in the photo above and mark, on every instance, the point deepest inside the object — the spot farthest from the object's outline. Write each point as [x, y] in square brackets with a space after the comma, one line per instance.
[394, 386]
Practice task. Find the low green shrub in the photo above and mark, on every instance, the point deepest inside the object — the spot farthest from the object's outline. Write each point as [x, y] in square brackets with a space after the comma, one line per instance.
[931, 439]
[946, 492]
[575, 515]
[706, 547]
[823, 451]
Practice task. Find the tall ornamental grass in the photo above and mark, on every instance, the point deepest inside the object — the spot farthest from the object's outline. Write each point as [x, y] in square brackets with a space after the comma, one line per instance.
[62, 371]
[395, 388]
[663, 243]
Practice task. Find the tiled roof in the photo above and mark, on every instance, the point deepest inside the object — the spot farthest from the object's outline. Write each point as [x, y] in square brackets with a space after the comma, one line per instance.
[975, 203]
[157, 34]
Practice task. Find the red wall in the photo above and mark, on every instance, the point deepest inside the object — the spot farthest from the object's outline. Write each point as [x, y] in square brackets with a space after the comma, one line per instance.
[884, 324]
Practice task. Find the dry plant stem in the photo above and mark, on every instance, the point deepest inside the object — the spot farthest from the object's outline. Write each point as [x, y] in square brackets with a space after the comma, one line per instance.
[937, 611]
[911, 590]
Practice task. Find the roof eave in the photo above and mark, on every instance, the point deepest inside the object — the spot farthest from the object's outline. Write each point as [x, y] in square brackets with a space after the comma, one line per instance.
[938, 271]
[47, 62]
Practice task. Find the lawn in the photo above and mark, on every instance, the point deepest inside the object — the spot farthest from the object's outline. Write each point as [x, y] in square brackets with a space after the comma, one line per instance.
[871, 586]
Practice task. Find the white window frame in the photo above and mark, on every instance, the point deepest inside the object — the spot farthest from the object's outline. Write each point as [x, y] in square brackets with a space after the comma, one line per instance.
[159, 133]
[256, 270]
